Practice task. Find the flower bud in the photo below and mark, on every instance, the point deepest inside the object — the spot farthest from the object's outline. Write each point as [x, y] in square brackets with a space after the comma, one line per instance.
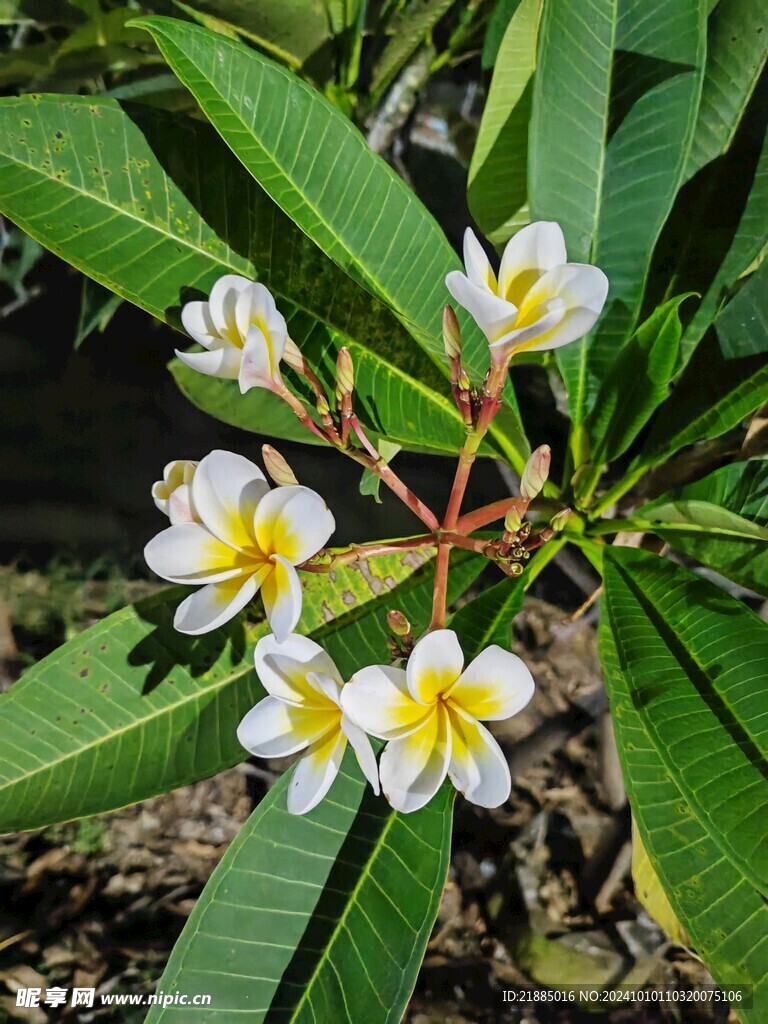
[464, 381]
[535, 473]
[451, 333]
[345, 374]
[559, 521]
[398, 623]
[292, 356]
[277, 467]
[322, 405]
[173, 495]
[512, 521]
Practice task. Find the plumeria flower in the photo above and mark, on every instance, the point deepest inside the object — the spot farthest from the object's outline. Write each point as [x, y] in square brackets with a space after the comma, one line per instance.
[539, 301]
[303, 713]
[247, 538]
[173, 494]
[431, 713]
[242, 331]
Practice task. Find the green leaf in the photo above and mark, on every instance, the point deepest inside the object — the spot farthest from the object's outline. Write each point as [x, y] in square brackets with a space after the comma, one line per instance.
[747, 244]
[159, 228]
[739, 494]
[713, 397]
[295, 32]
[323, 917]
[407, 30]
[742, 327]
[131, 708]
[692, 657]
[293, 141]
[497, 26]
[636, 384]
[609, 143]
[724, 915]
[498, 186]
[487, 619]
[650, 892]
[370, 482]
[97, 307]
[697, 516]
[736, 54]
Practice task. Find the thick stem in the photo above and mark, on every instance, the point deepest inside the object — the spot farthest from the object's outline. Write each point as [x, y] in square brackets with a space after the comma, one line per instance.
[301, 413]
[490, 514]
[357, 551]
[372, 460]
[456, 540]
[490, 406]
[440, 594]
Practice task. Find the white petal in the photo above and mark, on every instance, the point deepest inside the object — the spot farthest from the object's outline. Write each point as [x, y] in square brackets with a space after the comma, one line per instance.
[276, 729]
[535, 249]
[223, 300]
[583, 289]
[478, 768]
[314, 774]
[215, 604]
[256, 305]
[283, 667]
[435, 665]
[160, 496]
[325, 686]
[413, 768]
[363, 751]
[282, 597]
[294, 522]
[198, 323]
[477, 264]
[180, 508]
[222, 362]
[492, 314]
[496, 685]
[258, 368]
[191, 554]
[575, 324]
[540, 320]
[226, 490]
[377, 700]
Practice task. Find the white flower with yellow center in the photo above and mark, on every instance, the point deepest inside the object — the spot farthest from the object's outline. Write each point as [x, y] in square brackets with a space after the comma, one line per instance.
[242, 331]
[173, 494]
[539, 301]
[246, 538]
[303, 713]
[431, 713]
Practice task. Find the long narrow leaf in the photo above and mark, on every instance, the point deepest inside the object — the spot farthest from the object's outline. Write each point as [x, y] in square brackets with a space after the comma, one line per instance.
[317, 167]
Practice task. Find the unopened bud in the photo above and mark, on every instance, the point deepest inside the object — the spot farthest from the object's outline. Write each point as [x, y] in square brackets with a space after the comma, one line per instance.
[345, 373]
[451, 333]
[322, 405]
[464, 381]
[535, 473]
[398, 623]
[277, 467]
[512, 521]
[559, 521]
[292, 356]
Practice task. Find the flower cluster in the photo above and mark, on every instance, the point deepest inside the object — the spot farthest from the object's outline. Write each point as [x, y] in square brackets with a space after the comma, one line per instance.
[232, 536]
[430, 714]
